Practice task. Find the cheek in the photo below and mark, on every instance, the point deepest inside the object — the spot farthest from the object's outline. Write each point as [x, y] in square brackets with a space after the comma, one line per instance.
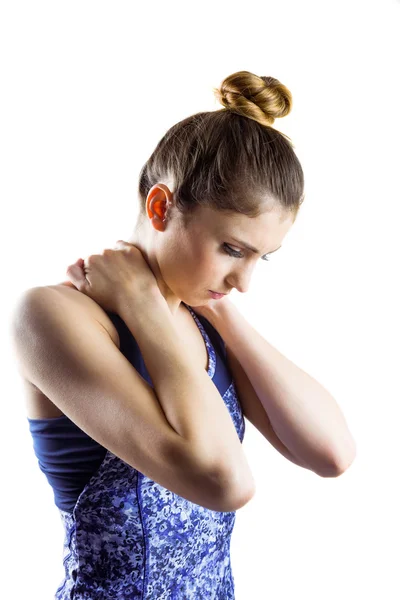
[210, 269]
[195, 266]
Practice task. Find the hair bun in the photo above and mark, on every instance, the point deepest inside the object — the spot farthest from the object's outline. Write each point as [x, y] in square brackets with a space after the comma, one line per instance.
[263, 99]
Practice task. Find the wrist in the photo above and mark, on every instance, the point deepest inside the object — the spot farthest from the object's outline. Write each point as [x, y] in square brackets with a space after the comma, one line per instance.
[141, 302]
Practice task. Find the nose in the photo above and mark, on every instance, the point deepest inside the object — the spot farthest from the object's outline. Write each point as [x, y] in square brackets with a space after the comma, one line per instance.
[240, 279]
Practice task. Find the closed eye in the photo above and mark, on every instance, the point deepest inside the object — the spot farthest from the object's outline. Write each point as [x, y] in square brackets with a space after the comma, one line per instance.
[237, 254]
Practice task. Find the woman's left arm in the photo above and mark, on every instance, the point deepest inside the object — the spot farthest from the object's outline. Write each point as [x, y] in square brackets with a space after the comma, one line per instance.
[303, 414]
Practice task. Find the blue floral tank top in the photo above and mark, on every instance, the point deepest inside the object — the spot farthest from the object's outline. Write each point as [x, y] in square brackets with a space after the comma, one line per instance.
[126, 536]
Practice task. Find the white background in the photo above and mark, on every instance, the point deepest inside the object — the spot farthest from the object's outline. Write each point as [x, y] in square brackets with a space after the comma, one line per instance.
[88, 89]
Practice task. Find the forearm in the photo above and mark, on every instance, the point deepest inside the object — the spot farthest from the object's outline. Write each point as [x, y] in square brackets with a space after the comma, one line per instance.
[303, 414]
[190, 401]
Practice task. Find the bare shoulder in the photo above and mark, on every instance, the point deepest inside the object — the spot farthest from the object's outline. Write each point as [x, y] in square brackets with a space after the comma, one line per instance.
[83, 302]
[38, 405]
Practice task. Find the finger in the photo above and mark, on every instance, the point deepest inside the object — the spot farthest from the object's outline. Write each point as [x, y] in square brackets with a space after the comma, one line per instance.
[76, 272]
[123, 243]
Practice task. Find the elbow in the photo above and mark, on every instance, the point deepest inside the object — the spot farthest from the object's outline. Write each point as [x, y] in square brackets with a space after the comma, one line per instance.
[236, 492]
[344, 465]
[231, 501]
[339, 465]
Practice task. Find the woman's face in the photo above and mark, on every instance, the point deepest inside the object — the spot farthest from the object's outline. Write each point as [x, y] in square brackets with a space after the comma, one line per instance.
[205, 255]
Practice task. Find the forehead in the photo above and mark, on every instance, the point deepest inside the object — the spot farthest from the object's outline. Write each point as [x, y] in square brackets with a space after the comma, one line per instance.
[265, 232]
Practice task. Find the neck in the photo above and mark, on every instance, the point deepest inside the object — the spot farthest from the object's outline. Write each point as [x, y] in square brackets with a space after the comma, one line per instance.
[141, 239]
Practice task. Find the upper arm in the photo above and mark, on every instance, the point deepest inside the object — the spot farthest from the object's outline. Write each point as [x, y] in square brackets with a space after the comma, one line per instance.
[69, 356]
[253, 410]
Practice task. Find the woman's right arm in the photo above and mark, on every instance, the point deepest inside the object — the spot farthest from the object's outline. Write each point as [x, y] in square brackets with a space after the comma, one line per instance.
[71, 358]
[189, 398]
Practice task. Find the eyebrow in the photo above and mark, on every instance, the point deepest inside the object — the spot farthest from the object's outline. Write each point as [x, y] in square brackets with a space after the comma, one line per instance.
[252, 248]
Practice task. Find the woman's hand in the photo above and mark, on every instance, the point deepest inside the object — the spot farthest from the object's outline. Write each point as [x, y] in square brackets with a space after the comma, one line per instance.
[115, 276]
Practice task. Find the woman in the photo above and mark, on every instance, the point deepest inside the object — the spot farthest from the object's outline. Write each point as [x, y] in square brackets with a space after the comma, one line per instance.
[137, 375]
